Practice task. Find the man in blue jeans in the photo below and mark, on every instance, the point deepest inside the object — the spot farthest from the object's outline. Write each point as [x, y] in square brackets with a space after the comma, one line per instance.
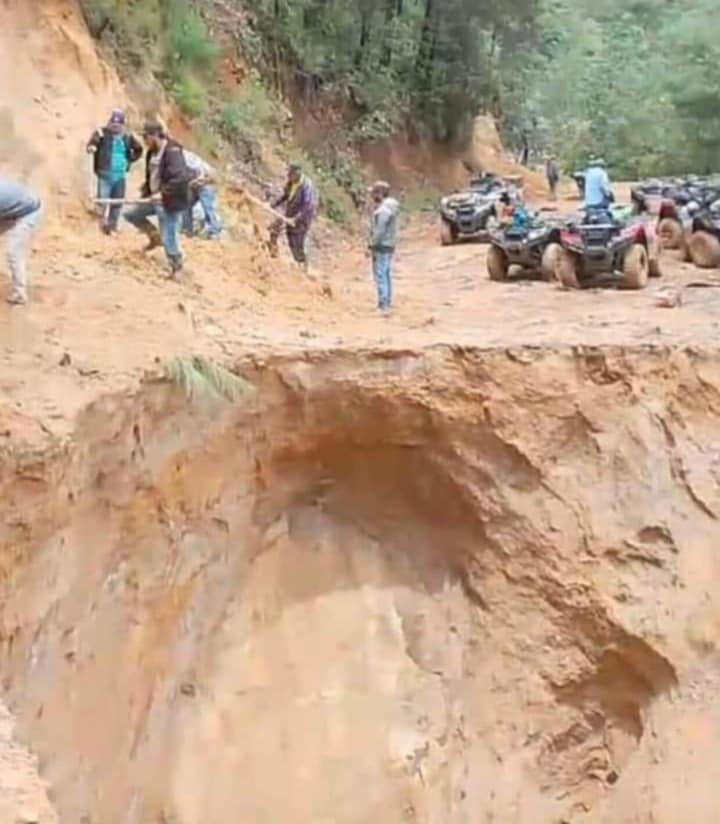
[167, 187]
[114, 150]
[203, 191]
[383, 237]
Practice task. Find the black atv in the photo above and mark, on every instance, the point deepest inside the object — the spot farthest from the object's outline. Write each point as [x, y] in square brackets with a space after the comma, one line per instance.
[673, 200]
[599, 243]
[472, 213]
[702, 245]
[533, 248]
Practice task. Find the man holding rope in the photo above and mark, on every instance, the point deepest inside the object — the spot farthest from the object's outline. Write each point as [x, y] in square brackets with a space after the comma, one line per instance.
[167, 188]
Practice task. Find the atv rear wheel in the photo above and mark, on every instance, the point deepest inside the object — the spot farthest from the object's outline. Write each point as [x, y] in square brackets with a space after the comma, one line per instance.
[670, 232]
[704, 250]
[636, 267]
[497, 264]
[566, 269]
[447, 233]
[548, 264]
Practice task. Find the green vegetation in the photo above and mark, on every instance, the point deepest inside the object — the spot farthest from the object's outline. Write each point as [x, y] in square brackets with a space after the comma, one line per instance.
[202, 379]
[628, 79]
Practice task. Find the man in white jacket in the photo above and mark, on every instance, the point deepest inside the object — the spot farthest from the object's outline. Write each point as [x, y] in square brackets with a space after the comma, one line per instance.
[205, 193]
[20, 211]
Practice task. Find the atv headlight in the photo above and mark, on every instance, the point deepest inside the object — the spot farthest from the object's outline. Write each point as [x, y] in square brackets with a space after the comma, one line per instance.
[534, 234]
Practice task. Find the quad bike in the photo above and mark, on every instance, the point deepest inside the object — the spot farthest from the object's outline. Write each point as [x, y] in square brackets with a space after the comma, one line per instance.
[672, 199]
[601, 245]
[471, 214]
[533, 248]
[702, 240]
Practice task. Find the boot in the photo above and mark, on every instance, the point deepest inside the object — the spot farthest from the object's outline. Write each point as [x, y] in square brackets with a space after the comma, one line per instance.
[154, 239]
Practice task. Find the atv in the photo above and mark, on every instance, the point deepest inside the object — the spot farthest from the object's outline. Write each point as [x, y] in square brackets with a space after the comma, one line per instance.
[608, 243]
[702, 241]
[534, 248]
[673, 200]
[472, 213]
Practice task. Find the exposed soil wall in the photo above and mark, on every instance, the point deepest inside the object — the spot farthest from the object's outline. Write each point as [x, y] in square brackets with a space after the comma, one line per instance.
[446, 586]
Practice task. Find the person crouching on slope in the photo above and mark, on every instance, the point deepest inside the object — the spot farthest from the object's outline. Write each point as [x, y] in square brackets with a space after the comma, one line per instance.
[20, 212]
[382, 241]
[115, 150]
[300, 200]
[167, 185]
[204, 192]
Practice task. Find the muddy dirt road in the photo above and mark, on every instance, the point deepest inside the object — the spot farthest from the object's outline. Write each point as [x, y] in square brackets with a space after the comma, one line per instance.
[103, 314]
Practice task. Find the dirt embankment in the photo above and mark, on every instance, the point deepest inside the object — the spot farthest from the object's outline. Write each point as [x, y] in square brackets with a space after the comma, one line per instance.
[442, 586]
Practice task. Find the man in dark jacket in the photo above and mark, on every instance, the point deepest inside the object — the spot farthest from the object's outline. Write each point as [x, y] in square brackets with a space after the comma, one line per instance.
[167, 187]
[115, 150]
[300, 200]
[20, 211]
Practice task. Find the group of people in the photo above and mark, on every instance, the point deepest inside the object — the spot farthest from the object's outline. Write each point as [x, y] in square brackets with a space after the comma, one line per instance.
[175, 181]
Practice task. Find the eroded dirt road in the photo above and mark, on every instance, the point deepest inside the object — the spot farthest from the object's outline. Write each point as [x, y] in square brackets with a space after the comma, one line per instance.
[102, 313]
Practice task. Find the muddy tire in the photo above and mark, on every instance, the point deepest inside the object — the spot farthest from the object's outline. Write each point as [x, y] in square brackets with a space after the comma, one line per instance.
[670, 232]
[548, 265]
[704, 250]
[636, 267]
[566, 269]
[497, 264]
[447, 236]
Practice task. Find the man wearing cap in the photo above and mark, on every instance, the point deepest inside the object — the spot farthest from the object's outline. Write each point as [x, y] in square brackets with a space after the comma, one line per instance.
[382, 241]
[20, 211]
[167, 189]
[115, 150]
[598, 193]
[300, 200]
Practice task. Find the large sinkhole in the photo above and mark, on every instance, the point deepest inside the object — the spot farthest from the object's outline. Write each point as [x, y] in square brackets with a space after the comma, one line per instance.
[437, 587]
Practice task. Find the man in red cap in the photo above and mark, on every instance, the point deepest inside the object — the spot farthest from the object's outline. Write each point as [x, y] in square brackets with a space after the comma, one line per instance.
[115, 149]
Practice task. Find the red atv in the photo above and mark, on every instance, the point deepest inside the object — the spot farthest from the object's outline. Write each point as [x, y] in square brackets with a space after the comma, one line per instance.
[628, 250]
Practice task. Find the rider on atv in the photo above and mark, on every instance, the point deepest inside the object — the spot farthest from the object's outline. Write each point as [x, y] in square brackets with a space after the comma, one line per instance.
[598, 192]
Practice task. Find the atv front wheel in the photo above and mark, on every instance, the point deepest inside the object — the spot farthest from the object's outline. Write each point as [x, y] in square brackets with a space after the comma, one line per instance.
[497, 264]
[704, 250]
[670, 232]
[636, 267]
[566, 269]
[447, 233]
[548, 264]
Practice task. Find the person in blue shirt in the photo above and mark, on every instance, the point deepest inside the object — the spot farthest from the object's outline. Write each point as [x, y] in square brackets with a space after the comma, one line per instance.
[598, 192]
[115, 150]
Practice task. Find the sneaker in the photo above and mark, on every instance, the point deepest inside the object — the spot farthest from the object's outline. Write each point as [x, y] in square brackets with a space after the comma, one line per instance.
[17, 299]
[176, 267]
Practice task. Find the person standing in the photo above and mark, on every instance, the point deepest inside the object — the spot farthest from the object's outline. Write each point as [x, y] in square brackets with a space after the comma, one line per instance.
[300, 200]
[203, 191]
[20, 211]
[115, 150]
[598, 192]
[167, 186]
[382, 241]
[552, 173]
